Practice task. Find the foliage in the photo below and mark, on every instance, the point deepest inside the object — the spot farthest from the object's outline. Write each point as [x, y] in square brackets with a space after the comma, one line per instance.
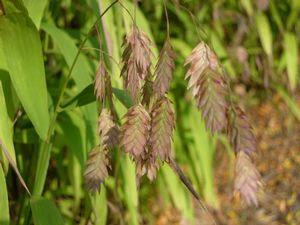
[57, 126]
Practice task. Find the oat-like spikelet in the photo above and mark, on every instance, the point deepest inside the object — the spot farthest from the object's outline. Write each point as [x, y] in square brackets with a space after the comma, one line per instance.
[162, 126]
[99, 88]
[147, 166]
[108, 130]
[247, 179]
[136, 61]
[135, 132]
[164, 70]
[96, 169]
[208, 86]
[240, 133]
[147, 91]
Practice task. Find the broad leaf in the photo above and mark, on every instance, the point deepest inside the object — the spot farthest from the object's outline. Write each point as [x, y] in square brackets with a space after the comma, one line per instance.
[24, 59]
[36, 9]
[291, 53]
[265, 34]
[87, 96]
[6, 128]
[4, 207]
[44, 212]
[73, 129]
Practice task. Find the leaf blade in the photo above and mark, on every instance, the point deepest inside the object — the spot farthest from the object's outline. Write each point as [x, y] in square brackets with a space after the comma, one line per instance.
[45, 212]
[20, 36]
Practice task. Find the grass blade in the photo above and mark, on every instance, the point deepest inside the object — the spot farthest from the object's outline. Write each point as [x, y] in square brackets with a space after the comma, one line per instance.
[4, 207]
[36, 10]
[44, 212]
[265, 34]
[20, 36]
[291, 53]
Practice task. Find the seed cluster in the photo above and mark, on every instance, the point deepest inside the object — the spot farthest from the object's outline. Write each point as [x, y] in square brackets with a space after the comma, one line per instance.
[146, 133]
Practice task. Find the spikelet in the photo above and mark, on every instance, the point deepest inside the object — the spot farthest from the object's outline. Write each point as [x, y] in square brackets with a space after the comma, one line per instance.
[108, 130]
[240, 133]
[136, 61]
[208, 86]
[135, 132]
[147, 91]
[164, 70]
[147, 166]
[99, 85]
[247, 179]
[96, 169]
[162, 126]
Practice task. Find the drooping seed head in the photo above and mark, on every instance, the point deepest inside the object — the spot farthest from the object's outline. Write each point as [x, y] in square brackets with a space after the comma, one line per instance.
[136, 61]
[247, 179]
[240, 132]
[96, 169]
[164, 70]
[99, 88]
[135, 131]
[108, 130]
[208, 86]
[162, 127]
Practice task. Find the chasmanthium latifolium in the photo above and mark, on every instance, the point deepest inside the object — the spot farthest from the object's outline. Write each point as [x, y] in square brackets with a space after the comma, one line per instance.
[146, 133]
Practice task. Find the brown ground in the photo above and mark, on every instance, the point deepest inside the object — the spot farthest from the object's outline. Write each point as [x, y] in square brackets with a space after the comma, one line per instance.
[278, 160]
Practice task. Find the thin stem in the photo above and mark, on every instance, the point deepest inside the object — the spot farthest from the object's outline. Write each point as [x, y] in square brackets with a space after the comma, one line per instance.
[46, 149]
[103, 52]
[167, 19]
[194, 18]
[123, 6]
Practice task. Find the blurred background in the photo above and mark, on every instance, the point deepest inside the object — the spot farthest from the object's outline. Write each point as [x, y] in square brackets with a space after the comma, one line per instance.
[257, 42]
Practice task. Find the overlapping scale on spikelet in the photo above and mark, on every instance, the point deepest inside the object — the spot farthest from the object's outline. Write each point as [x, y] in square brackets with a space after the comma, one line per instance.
[108, 130]
[147, 166]
[96, 169]
[136, 61]
[162, 126]
[99, 85]
[208, 86]
[247, 179]
[164, 70]
[135, 132]
[240, 133]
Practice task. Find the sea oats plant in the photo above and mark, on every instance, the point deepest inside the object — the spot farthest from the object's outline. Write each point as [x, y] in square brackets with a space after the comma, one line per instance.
[147, 130]
[115, 92]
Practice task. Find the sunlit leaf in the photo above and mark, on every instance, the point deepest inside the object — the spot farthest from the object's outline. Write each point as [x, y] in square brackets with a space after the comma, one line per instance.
[4, 207]
[23, 53]
[36, 10]
[45, 212]
[264, 32]
[291, 53]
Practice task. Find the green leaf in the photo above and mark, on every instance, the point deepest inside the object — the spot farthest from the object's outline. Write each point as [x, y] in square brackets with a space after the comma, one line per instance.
[45, 212]
[87, 96]
[99, 203]
[36, 10]
[291, 53]
[24, 59]
[72, 128]
[292, 103]
[12, 6]
[123, 97]
[264, 32]
[6, 128]
[4, 207]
